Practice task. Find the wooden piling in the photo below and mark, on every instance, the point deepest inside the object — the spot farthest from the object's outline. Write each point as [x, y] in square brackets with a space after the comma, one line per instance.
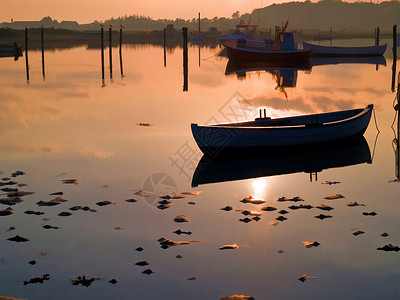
[165, 47]
[102, 53]
[42, 43]
[199, 23]
[377, 34]
[110, 46]
[26, 54]
[120, 52]
[394, 49]
[185, 59]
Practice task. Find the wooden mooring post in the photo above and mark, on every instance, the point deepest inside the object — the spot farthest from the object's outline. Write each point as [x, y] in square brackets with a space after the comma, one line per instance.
[120, 52]
[377, 34]
[394, 49]
[110, 46]
[26, 54]
[102, 53]
[185, 59]
[42, 44]
[165, 47]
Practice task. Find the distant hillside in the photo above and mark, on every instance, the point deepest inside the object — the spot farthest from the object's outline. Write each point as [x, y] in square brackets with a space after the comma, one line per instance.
[302, 16]
[323, 14]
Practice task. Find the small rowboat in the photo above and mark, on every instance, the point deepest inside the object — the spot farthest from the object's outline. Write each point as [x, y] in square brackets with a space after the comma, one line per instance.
[282, 132]
[318, 50]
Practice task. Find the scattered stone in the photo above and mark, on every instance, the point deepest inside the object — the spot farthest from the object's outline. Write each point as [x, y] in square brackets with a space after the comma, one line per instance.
[118, 228]
[192, 193]
[304, 277]
[226, 247]
[148, 271]
[65, 214]
[330, 182]
[164, 202]
[32, 262]
[18, 239]
[191, 203]
[384, 234]
[69, 181]
[303, 206]
[179, 232]
[17, 173]
[192, 278]
[238, 297]
[113, 281]
[103, 203]
[142, 263]
[322, 216]
[11, 228]
[179, 256]
[353, 204]
[309, 244]
[251, 200]
[19, 194]
[11, 201]
[181, 219]
[358, 232]
[281, 218]
[31, 212]
[9, 190]
[163, 206]
[131, 200]
[389, 247]
[294, 199]
[53, 202]
[324, 207]
[334, 196]
[166, 243]
[245, 220]
[283, 212]
[227, 208]
[82, 280]
[372, 213]
[280, 251]
[75, 208]
[57, 194]
[37, 279]
[50, 227]
[6, 212]
[268, 208]
[139, 249]
[256, 218]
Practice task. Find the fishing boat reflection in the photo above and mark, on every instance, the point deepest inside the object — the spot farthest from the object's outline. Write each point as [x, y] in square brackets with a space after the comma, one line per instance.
[283, 72]
[284, 161]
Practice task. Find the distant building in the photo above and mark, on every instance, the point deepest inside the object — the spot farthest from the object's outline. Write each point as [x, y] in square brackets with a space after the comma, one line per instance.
[23, 24]
[170, 27]
[68, 25]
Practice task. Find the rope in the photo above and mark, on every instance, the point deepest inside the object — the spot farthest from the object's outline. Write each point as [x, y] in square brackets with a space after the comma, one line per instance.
[376, 124]
[373, 151]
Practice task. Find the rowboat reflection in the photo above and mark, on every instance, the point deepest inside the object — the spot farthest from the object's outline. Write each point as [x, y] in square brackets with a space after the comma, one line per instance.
[283, 161]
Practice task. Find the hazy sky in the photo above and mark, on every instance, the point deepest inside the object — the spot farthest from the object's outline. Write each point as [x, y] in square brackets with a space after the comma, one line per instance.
[85, 11]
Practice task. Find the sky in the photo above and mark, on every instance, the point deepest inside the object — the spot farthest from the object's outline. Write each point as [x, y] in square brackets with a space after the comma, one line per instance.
[86, 11]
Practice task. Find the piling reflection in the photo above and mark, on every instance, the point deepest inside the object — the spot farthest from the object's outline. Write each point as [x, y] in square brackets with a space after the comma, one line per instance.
[281, 161]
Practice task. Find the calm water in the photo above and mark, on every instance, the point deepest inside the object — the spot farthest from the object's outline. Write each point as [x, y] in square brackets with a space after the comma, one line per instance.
[71, 126]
